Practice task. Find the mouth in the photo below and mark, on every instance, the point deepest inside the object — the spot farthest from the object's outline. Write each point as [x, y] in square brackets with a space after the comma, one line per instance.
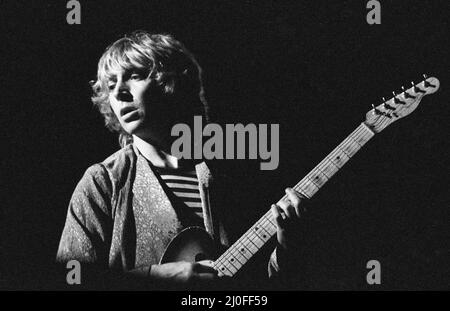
[126, 110]
[129, 114]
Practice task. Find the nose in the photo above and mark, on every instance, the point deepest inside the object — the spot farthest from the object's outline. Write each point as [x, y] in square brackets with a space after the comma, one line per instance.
[122, 91]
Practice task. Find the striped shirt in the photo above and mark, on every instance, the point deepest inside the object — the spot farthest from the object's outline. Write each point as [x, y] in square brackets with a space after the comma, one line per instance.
[184, 186]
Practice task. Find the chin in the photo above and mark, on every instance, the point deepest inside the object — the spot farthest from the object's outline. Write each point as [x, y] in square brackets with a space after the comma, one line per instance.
[132, 128]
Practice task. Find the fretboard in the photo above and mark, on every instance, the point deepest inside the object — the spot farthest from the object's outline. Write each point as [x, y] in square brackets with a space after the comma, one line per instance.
[232, 260]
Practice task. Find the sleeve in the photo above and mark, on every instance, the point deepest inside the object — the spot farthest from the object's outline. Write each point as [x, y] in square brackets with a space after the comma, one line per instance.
[87, 233]
[88, 227]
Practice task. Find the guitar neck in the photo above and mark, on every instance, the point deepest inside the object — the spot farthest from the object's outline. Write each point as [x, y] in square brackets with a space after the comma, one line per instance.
[230, 262]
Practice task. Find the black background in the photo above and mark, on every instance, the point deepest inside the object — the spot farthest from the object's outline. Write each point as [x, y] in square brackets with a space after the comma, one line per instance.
[313, 67]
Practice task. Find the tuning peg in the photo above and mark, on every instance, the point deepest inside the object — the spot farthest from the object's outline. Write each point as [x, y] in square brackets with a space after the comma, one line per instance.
[406, 94]
[376, 110]
[381, 113]
[426, 83]
[397, 101]
[387, 106]
[416, 89]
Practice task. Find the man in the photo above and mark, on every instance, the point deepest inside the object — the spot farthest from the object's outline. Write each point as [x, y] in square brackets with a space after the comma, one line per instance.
[125, 211]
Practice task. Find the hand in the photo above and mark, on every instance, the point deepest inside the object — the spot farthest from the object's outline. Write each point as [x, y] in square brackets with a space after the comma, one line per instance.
[287, 214]
[184, 273]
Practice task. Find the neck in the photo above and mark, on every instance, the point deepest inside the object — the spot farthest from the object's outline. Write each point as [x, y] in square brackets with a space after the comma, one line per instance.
[154, 154]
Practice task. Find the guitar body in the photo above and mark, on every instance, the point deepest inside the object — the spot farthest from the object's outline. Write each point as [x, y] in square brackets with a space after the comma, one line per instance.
[192, 244]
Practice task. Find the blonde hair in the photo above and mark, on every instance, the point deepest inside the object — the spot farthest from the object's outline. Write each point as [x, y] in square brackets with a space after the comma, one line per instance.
[167, 61]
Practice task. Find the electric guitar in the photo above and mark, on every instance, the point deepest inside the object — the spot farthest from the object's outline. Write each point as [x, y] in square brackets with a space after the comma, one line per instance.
[194, 241]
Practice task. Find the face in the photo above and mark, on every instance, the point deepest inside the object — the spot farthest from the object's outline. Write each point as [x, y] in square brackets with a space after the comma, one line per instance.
[130, 96]
[141, 107]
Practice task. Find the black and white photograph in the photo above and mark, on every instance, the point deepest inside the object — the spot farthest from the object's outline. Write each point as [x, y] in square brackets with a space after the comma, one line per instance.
[200, 147]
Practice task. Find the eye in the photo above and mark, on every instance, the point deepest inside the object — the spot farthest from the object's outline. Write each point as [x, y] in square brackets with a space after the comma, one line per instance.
[135, 76]
[111, 86]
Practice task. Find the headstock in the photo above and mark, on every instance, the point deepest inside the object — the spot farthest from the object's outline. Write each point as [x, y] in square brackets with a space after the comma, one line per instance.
[400, 105]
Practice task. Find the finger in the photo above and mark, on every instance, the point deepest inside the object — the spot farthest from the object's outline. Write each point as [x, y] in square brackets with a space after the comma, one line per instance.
[300, 195]
[206, 262]
[203, 268]
[301, 207]
[293, 196]
[283, 203]
[291, 212]
[286, 207]
[207, 276]
[276, 213]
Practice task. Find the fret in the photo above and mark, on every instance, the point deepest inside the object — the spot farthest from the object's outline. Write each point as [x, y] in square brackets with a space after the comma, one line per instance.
[300, 187]
[240, 254]
[244, 251]
[261, 233]
[362, 139]
[236, 259]
[224, 270]
[329, 168]
[228, 266]
[233, 262]
[364, 136]
[265, 230]
[256, 239]
[308, 187]
[349, 148]
[240, 249]
[250, 245]
[317, 177]
[358, 140]
[339, 158]
[268, 224]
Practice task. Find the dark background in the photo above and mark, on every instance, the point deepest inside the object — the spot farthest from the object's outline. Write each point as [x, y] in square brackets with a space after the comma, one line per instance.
[314, 67]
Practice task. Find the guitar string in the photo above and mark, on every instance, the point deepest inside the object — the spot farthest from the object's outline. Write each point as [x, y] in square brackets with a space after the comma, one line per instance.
[266, 218]
[318, 169]
[383, 121]
[234, 249]
[339, 150]
[418, 96]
